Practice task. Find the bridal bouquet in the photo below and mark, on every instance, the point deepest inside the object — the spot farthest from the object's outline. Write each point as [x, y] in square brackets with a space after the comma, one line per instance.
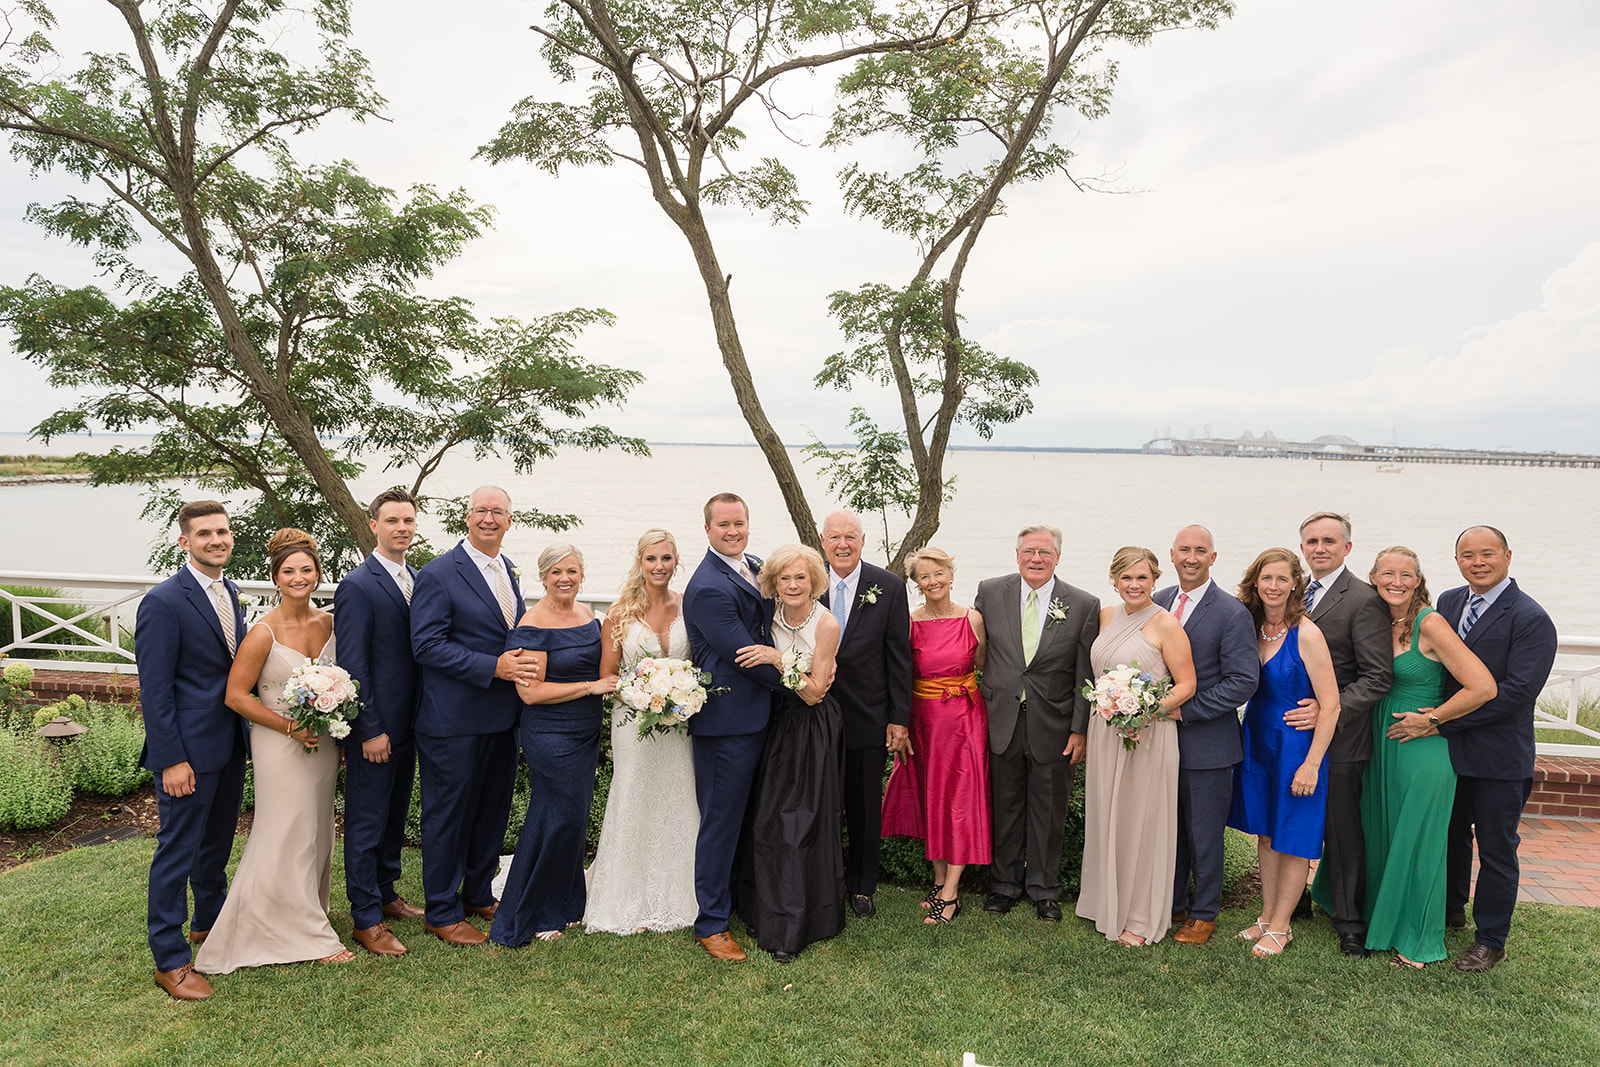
[322, 699]
[662, 693]
[1128, 699]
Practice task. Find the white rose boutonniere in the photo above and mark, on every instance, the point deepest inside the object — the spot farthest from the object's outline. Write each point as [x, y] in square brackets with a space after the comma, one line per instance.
[516, 572]
[869, 597]
[1056, 612]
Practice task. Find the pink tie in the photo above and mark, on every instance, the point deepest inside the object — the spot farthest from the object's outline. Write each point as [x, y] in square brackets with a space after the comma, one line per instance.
[1183, 602]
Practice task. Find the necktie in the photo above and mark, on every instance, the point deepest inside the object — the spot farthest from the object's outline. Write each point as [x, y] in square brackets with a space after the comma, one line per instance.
[747, 574]
[1311, 593]
[1183, 602]
[502, 592]
[841, 604]
[1030, 626]
[219, 596]
[405, 582]
[1474, 607]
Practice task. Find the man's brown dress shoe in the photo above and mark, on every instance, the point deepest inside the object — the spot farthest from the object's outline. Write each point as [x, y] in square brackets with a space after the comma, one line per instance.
[379, 941]
[399, 909]
[461, 933]
[1195, 932]
[723, 947]
[485, 913]
[1479, 957]
[183, 983]
[199, 936]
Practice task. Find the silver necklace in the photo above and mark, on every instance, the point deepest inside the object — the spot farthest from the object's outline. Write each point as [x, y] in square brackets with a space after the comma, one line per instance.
[1262, 630]
[816, 606]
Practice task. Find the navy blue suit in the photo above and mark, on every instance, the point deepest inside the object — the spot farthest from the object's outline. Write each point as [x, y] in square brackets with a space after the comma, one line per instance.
[1492, 752]
[465, 732]
[183, 676]
[372, 625]
[723, 613]
[1227, 671]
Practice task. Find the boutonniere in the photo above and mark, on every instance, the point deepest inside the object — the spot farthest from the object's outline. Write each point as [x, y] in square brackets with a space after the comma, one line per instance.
[1056, 612]
[238, 601]
[869, 597]
[516, 572]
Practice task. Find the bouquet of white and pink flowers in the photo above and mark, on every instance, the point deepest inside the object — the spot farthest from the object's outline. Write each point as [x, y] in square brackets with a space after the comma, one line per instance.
[322, 698]
[1128, 699]
[661, 693]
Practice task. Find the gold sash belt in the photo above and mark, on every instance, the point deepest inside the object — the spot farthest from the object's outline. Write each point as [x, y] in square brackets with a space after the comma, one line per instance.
[965, 685]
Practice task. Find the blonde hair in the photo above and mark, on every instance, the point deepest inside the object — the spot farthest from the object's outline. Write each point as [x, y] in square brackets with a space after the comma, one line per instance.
[928, 553]
[1127, 556]
[1419, 595]
[1297, 596]
[632, 599]
[554, 554]
[785, 556]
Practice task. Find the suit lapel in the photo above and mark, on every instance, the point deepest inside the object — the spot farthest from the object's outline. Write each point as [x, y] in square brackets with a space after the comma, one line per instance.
[1055, 591]
[1491, 615]
[1331, 595]
[386, 582]
[474, 578]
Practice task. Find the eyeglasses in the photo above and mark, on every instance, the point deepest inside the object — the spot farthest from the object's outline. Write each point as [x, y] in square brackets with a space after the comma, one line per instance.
[495, 513]
[1042, 553]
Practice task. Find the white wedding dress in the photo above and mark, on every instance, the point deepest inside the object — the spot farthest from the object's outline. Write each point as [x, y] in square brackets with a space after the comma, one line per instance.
[643, 871]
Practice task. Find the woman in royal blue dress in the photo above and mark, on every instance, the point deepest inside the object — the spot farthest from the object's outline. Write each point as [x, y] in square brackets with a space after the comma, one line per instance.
[560, 732]
[1280, 789]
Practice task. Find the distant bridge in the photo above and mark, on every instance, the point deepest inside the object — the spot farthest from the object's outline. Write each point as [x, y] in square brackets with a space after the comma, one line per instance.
[1339, 447]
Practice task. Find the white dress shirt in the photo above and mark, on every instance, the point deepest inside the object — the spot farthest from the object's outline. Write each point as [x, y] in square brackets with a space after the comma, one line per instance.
[1327, 583]
[1195, 596]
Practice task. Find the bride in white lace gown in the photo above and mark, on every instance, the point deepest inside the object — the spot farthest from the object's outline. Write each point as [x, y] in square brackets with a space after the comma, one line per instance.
[642, 877]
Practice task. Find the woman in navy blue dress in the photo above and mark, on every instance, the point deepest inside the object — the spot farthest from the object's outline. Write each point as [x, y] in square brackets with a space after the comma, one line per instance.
[1280, 789]
[560, 733]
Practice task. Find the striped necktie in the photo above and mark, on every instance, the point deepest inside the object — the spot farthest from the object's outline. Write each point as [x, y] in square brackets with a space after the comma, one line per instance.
[405, 582]
[219, 597]
[1183, 602]
[502, 592]
[1311, 593]
[1474, 609]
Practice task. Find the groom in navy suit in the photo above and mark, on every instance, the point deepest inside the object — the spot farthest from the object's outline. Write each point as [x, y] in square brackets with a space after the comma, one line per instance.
[724, 612]
[372, 621]
[463, 607]
[1227, 671]
[186, 631]
[1492, 748]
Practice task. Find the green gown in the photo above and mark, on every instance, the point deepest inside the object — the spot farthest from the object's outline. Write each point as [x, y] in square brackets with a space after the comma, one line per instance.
[1406, 796]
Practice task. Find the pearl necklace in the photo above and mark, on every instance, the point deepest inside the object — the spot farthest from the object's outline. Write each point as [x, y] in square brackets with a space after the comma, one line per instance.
[1262, 631]
[816, 606]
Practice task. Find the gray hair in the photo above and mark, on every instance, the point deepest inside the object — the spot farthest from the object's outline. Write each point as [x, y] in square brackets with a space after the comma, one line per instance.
[488, 489]
[1038, 528]
[555, 553]
[846, 514]
[1342, 520]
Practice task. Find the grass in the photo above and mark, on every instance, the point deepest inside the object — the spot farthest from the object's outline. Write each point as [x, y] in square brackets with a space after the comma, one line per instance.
[1556, 703]
[13, 466]
[75, 987]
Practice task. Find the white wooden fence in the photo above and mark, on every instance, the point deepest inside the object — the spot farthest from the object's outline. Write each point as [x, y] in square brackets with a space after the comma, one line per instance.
[108, 603]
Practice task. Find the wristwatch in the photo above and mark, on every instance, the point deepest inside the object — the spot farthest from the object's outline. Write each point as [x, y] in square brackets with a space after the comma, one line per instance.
[1433, 720]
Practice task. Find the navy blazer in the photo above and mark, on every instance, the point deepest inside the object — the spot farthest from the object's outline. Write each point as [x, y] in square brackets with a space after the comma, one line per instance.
[1227, 670]
[723, 613]
[183, 676]
[873, 686]
[1516, 640]
[372, 627]
[457, 636]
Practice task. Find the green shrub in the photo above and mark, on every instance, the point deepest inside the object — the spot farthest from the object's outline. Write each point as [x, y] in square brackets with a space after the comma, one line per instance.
[14, 693]
[106, 759]
[35, 782]
[247, 801]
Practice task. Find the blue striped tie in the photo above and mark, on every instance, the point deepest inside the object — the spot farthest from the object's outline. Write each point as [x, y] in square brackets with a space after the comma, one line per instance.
[1474, 608]
[1311, 593]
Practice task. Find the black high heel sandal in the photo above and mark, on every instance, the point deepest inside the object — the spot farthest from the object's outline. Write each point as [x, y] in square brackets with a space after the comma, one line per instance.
[933, 895]
[942, 911]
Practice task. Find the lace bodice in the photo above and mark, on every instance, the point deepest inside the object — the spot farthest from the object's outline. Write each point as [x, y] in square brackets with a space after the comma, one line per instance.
[639, 641]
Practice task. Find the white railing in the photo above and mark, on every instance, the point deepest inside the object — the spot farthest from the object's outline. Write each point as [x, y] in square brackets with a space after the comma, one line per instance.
[113, 599]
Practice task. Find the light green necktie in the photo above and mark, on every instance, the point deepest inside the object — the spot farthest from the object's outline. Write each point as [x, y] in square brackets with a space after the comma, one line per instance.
[1030, 630]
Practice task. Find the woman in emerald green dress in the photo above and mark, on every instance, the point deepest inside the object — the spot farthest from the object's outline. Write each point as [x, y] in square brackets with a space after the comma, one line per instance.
[1409, 785]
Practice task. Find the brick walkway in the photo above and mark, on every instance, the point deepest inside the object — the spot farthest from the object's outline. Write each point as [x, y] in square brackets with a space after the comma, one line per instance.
[1560, 862]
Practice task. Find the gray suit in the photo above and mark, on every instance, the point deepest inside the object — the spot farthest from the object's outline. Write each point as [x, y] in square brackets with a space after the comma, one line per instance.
[1029, 775]
[1356, 623]
[1227, 671]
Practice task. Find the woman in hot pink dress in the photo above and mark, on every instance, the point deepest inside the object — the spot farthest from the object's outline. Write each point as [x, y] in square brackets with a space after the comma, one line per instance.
[939, 792]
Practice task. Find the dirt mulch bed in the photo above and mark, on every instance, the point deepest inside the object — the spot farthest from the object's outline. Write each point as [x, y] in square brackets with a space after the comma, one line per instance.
[88, 815]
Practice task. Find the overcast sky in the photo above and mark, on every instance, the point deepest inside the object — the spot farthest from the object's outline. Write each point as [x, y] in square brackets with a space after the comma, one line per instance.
[1373, 219]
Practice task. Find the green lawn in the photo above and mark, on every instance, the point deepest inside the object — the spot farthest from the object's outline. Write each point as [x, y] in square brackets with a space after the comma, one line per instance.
[75, 987]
